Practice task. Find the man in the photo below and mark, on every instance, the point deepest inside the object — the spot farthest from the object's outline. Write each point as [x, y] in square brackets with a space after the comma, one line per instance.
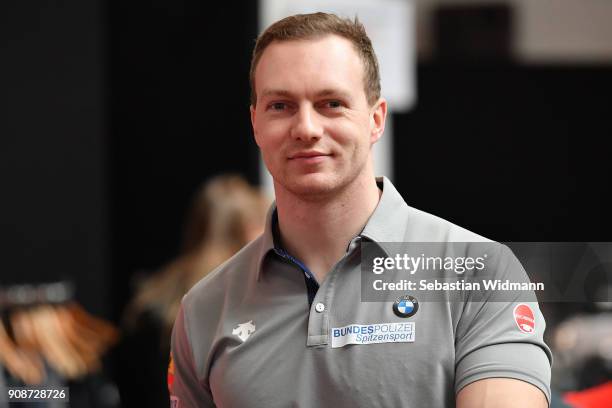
[257, 332]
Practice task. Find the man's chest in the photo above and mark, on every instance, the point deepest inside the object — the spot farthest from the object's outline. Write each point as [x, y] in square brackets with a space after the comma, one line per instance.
[345, 353]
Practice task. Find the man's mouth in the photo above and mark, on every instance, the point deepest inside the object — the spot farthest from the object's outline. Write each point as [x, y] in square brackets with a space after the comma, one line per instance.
[309, 157]
[309, 154]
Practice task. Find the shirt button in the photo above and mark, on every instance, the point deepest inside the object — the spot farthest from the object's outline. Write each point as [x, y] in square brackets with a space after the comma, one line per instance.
[319, 307]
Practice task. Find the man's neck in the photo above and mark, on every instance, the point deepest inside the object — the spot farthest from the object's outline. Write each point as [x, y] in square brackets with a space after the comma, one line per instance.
[318, 232]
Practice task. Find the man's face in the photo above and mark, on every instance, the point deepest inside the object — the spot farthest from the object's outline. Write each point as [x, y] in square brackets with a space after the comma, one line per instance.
[312, 121]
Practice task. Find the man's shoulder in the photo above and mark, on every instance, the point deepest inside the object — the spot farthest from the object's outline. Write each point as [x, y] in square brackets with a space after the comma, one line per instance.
[207, 305]
[425, 227]
[232, 277]
[394, 220]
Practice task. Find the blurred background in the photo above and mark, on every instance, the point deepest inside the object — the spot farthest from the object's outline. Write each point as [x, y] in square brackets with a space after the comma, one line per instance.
[115, 113]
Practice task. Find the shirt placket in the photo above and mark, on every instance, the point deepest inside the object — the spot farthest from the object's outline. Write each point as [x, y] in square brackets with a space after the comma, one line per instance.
[319, 297]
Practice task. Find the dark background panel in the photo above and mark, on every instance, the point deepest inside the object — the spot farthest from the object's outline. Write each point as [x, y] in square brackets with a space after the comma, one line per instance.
[511, 152]
[54, 221]
[180, 99]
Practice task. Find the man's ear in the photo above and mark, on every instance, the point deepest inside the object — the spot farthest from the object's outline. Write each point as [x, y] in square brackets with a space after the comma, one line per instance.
[253, 112]
[378, 116]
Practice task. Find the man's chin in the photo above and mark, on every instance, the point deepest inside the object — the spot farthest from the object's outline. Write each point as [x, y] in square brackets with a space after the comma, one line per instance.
[311, 186]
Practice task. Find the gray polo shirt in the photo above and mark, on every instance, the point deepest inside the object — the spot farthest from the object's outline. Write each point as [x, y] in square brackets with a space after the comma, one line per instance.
[258, 331]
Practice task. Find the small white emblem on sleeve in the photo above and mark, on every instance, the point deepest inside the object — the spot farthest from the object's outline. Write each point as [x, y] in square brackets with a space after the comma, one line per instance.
[244, 330]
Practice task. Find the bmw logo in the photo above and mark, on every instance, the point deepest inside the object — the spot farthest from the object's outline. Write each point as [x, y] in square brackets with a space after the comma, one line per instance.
[405, 306]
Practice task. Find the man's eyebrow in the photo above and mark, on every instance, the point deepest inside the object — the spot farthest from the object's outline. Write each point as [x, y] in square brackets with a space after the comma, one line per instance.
[276, 92]
[333, 92]
[324, 92]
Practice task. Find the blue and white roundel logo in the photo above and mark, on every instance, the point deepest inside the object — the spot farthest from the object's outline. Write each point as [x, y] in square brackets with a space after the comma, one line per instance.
[405, 306]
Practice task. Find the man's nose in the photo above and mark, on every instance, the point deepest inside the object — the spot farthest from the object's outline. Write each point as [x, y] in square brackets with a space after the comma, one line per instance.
[307, 125]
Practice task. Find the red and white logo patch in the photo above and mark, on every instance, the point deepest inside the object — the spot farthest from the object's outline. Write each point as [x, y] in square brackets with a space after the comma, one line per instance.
[524, 318]
[171, 375]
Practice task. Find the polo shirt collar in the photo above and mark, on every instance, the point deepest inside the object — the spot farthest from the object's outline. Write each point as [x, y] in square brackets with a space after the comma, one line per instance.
[267, 239]
[386, 224]
[388, 221]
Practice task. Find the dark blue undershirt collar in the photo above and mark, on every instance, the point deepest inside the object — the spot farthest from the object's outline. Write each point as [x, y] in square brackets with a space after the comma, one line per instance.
[312, 286]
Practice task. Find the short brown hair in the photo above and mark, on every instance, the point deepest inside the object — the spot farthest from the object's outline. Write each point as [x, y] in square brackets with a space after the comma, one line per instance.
[306, 26]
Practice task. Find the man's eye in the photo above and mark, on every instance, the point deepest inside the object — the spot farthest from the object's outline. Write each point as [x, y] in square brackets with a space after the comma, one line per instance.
[277, 106]
[334, 104]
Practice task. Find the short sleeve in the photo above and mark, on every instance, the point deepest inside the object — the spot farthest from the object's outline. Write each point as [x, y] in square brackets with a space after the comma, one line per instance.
[503, 337]
[186, 390]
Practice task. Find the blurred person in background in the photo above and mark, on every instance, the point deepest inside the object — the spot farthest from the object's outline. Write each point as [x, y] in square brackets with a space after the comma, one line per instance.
[226, 213]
